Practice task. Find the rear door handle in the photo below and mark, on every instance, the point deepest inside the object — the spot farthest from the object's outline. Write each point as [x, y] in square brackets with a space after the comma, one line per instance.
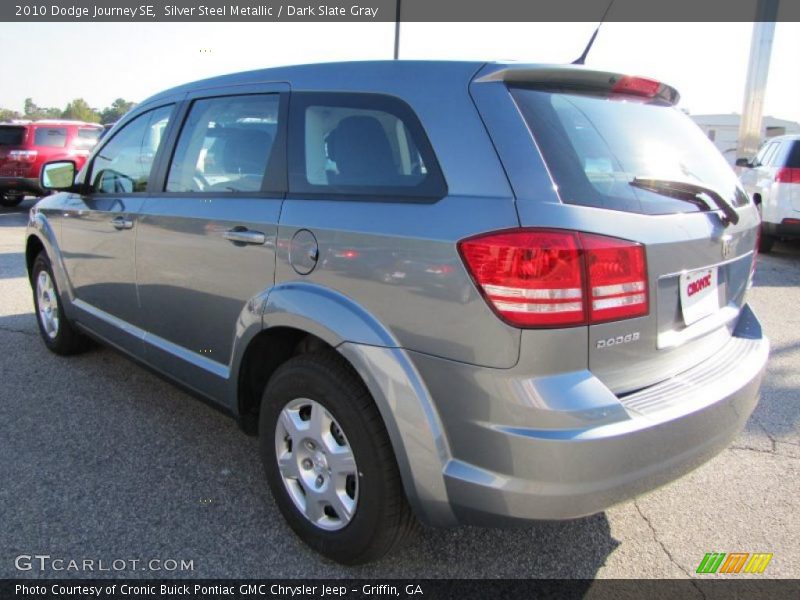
[122, 223]
[245, 236]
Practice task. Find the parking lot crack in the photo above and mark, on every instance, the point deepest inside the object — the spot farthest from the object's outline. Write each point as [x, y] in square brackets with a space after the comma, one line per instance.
[751, 449]
[666, 550]
[22, 331]
[769, 436]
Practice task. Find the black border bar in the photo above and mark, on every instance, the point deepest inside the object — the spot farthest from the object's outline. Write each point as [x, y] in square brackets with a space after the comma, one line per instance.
[711, 588]
[410, 11]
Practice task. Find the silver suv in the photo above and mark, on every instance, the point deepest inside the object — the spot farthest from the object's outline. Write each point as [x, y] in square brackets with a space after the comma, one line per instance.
[446, 292]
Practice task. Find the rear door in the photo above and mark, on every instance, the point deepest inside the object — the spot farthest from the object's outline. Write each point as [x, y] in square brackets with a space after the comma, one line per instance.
[98, 231]
[591, 150]
[206, 241]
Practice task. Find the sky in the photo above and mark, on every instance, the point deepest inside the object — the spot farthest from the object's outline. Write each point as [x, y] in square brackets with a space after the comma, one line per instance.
[706, 62]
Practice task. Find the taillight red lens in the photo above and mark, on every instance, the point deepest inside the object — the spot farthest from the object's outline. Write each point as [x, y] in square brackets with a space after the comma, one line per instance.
[788, 175]
[617, 274]
[549, 278]
[530, 277]
[636, 86]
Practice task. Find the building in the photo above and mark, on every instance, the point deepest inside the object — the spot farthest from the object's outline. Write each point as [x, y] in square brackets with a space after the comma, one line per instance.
[723, 130]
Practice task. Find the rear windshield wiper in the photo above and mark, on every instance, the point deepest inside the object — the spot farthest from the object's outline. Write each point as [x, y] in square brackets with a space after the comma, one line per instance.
[689, 192]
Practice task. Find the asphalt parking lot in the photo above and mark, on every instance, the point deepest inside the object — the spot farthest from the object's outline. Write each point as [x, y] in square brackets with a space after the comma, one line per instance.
[99, 459]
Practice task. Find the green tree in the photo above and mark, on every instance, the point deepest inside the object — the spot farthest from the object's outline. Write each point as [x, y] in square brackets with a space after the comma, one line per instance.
[80, 110]
[6, 114]
[114, 113]
[31, 110]
[34, 112]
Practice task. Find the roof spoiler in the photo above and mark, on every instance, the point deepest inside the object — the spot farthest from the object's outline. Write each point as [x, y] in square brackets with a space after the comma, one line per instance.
[579, 79]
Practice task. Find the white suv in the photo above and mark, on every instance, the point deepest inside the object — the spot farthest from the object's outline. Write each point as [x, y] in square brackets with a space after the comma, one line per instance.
[772, 179]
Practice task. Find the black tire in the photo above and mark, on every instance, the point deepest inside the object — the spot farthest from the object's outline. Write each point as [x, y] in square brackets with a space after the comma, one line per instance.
[9, 200]
[67, 340]
[766, 243]
[382, 519]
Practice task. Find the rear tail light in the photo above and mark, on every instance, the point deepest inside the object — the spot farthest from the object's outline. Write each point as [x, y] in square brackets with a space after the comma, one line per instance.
[23, 155]
[788, 175]
[550, 278]
[617, 276]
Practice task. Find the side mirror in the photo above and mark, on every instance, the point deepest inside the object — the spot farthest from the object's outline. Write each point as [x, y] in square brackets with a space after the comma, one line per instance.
[58, 175]
[743, 162]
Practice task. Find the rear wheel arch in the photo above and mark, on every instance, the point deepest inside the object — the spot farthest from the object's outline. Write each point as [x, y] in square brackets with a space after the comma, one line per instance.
[296, 318]
[267, 351]
[33, 247]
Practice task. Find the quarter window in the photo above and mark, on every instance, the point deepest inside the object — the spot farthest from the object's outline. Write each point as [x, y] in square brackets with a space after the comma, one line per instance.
[225, 145]
[124, 164]
[356, 144]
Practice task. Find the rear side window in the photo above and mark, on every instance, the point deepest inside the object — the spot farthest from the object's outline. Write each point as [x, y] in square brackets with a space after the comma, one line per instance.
[793, 157]
[594, 146]
[87, 137]
[123, 165]
[51, 137]
[769, 154]
[11, 136]
[225, 145]
[360, 144]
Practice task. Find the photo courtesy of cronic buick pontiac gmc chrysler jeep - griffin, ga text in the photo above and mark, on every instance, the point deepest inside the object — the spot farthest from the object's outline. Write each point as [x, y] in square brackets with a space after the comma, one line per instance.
[438, 292]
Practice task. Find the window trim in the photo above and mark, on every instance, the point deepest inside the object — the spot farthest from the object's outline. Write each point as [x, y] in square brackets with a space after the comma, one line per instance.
[433, 188]
[88, 188]
[274, 182]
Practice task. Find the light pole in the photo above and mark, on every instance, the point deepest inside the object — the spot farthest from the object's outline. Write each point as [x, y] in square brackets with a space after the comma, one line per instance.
[397, 30]
[756, 83]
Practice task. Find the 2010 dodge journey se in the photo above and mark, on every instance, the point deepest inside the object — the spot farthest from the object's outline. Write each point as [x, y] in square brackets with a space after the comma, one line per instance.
[445, 292]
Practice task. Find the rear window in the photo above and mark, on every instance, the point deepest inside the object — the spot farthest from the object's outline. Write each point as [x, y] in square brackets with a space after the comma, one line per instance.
[11, 136]
[595, 146]
[51, 137]
[793, 158]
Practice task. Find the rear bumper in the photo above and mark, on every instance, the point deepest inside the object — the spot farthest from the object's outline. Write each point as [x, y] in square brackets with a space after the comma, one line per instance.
[787, 228]
[27, 185]
[564, 446]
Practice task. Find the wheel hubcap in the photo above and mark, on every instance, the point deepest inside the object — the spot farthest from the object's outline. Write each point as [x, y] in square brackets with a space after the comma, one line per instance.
[316, 464]
[48, 304]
